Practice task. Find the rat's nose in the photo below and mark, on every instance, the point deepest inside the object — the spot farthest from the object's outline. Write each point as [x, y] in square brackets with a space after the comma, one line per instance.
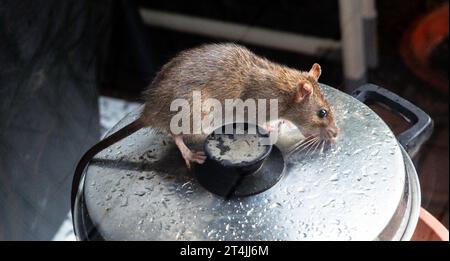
[333, 132]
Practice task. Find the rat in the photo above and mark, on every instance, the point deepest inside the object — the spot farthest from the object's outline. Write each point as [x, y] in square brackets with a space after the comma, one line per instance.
[228, 71]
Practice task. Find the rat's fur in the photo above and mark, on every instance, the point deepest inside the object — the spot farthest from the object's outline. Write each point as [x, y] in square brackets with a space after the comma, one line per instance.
[230, 71]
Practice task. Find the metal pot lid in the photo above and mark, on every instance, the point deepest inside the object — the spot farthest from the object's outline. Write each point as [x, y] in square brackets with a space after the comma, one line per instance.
[139, 188]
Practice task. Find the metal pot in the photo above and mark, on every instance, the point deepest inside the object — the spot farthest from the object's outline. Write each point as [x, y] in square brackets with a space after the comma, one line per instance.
[363, 188]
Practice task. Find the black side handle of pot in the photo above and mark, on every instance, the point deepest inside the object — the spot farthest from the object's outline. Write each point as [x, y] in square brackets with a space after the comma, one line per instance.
[422, 124]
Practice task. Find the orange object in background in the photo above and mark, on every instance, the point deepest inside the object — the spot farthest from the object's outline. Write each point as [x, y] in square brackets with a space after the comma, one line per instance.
[429, 228]
[420, 40]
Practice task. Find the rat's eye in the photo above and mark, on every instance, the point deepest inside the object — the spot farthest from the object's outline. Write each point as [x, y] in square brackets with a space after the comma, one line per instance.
[322, 113]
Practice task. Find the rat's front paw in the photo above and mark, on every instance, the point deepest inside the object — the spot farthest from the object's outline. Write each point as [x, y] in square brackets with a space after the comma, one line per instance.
[198, 157]
[271, 127]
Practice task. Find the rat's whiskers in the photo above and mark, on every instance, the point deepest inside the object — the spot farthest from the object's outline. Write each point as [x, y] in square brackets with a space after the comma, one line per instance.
[322, 147]
[317, 145]
[301, 144]
[312, 146]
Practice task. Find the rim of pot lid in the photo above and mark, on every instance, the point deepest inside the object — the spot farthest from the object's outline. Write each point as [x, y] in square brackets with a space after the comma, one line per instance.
[139, 188]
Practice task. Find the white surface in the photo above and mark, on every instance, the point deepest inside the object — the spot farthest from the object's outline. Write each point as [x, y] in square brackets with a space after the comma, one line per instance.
[352, 39]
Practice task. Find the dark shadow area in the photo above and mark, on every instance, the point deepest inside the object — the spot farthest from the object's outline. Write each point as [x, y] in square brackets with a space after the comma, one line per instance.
[50, 53]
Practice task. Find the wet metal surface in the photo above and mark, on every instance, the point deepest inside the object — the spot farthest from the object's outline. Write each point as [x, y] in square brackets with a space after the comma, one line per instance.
[139, 188]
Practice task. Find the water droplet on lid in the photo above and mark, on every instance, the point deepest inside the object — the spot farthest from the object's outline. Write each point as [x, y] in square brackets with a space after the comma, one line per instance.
[334, 177]
[139, 193]
[364, 171]
[328, 203]
[276, 204]
[211, 232]
[357, 151]
[358, 192]
[124, 202]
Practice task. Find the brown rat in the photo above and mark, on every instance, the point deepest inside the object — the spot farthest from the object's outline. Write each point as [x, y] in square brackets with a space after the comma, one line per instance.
[229, 71]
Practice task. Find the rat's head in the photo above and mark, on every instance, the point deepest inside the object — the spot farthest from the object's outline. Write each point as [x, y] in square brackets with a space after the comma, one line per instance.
[309, 110]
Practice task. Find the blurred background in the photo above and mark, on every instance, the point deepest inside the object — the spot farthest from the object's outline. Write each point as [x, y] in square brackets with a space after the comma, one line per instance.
[69, 70]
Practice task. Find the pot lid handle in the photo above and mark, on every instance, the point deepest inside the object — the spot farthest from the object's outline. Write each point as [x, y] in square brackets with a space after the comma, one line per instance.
[422, 124]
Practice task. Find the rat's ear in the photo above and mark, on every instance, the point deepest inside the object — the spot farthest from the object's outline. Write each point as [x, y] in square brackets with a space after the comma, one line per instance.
[304, 90]
[315, 71]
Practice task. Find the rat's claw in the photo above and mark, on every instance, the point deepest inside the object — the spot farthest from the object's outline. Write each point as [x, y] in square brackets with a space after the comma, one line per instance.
[188, 164]
[201, 153]
[199, 157]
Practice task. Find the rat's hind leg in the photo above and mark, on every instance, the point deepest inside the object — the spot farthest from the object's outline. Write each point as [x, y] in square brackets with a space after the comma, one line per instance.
[188, 155]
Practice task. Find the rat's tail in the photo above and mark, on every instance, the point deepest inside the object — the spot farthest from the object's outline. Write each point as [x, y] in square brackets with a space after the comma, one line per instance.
[103, 144]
